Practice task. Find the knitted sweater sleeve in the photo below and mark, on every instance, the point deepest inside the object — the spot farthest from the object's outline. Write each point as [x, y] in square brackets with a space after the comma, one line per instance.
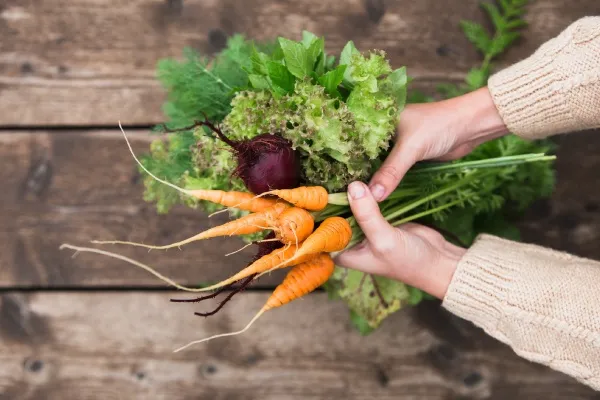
[544, 304]
[555, 90]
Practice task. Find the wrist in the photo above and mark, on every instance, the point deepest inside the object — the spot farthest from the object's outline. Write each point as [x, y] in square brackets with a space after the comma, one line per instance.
[438, 279]
[479, 116]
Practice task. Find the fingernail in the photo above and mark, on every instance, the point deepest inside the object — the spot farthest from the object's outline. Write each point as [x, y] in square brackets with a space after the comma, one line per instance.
[356, 190]
[378, 191]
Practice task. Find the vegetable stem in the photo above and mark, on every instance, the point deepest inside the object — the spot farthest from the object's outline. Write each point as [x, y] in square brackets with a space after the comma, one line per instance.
[432, 196]
[338, 199]
[487, 163]
[426, 212]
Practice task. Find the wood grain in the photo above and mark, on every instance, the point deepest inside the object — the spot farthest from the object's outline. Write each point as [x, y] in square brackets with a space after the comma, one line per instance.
[73, 187]
[89, 62]
[570, 219]
[119, 346]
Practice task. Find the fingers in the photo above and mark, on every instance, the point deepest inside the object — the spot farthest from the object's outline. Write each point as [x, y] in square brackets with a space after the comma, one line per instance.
[359, 258]
[366, 212]
[391, 172]
[379, 234]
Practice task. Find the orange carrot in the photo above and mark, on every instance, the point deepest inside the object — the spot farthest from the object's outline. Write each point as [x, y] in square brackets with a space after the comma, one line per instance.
[302, 279]
[251, 223]
[294, 225]
[245, 200]
[313, 198]
[332, 235]
[277, 258]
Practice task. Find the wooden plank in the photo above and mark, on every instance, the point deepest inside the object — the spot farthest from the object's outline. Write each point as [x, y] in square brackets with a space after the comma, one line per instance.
[72, 187]
[119, 346]
[90, 62]
[570, 219]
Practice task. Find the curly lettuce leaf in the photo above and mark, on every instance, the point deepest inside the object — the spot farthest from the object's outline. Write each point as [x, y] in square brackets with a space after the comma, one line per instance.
[370, 298]
[339, 141]
[334, 142]
[374, 102]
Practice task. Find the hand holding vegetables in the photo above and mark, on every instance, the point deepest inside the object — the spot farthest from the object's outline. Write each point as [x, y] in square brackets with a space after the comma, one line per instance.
[412, 253]
[444, 130]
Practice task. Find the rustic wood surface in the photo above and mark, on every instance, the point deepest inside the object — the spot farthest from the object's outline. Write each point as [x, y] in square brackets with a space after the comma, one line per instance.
[94, 64]
[76, 187]
[570, 219]
[120, 346]
[87, 64]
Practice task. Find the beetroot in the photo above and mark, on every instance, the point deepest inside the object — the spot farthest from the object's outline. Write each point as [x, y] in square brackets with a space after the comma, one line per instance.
[266, 162]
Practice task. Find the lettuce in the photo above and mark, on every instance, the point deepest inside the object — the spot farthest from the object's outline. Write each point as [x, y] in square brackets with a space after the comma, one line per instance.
[338, 139]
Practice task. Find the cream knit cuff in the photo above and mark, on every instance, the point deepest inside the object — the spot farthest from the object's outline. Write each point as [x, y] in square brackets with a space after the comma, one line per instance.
[556, 89]
[528, 101]
[541, 302]
[528, 98]
[480, 284]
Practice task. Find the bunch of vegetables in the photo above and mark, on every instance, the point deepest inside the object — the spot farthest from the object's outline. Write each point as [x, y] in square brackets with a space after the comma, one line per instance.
[274, 133]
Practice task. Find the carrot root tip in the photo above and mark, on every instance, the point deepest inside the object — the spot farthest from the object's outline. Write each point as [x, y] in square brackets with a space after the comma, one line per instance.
[224, 334]
[133, 262]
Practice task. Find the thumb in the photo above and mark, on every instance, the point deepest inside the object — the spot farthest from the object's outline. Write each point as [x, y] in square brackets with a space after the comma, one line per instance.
[366, 212]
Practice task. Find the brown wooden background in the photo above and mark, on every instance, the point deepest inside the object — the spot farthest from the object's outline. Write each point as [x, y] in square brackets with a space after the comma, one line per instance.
[93, 328]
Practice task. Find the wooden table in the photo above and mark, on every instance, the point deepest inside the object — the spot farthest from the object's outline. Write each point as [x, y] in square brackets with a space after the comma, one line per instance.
[94, 328]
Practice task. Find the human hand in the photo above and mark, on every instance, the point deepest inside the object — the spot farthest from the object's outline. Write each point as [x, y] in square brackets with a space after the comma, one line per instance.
[444, 130]
[412, 253]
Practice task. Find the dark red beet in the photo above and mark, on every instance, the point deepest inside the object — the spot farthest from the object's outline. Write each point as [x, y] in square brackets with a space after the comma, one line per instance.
[264, 163]
[267, 162]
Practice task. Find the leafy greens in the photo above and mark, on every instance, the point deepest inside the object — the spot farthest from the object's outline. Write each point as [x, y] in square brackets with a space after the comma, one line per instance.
[340, 114]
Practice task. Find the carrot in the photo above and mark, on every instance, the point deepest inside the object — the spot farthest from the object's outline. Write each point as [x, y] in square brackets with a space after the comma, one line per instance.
[332, 235]
[246, 201]
[294, 225]
[79, 249]
[274, 260]
[313, 198]
[302, 279]
[251, 223]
